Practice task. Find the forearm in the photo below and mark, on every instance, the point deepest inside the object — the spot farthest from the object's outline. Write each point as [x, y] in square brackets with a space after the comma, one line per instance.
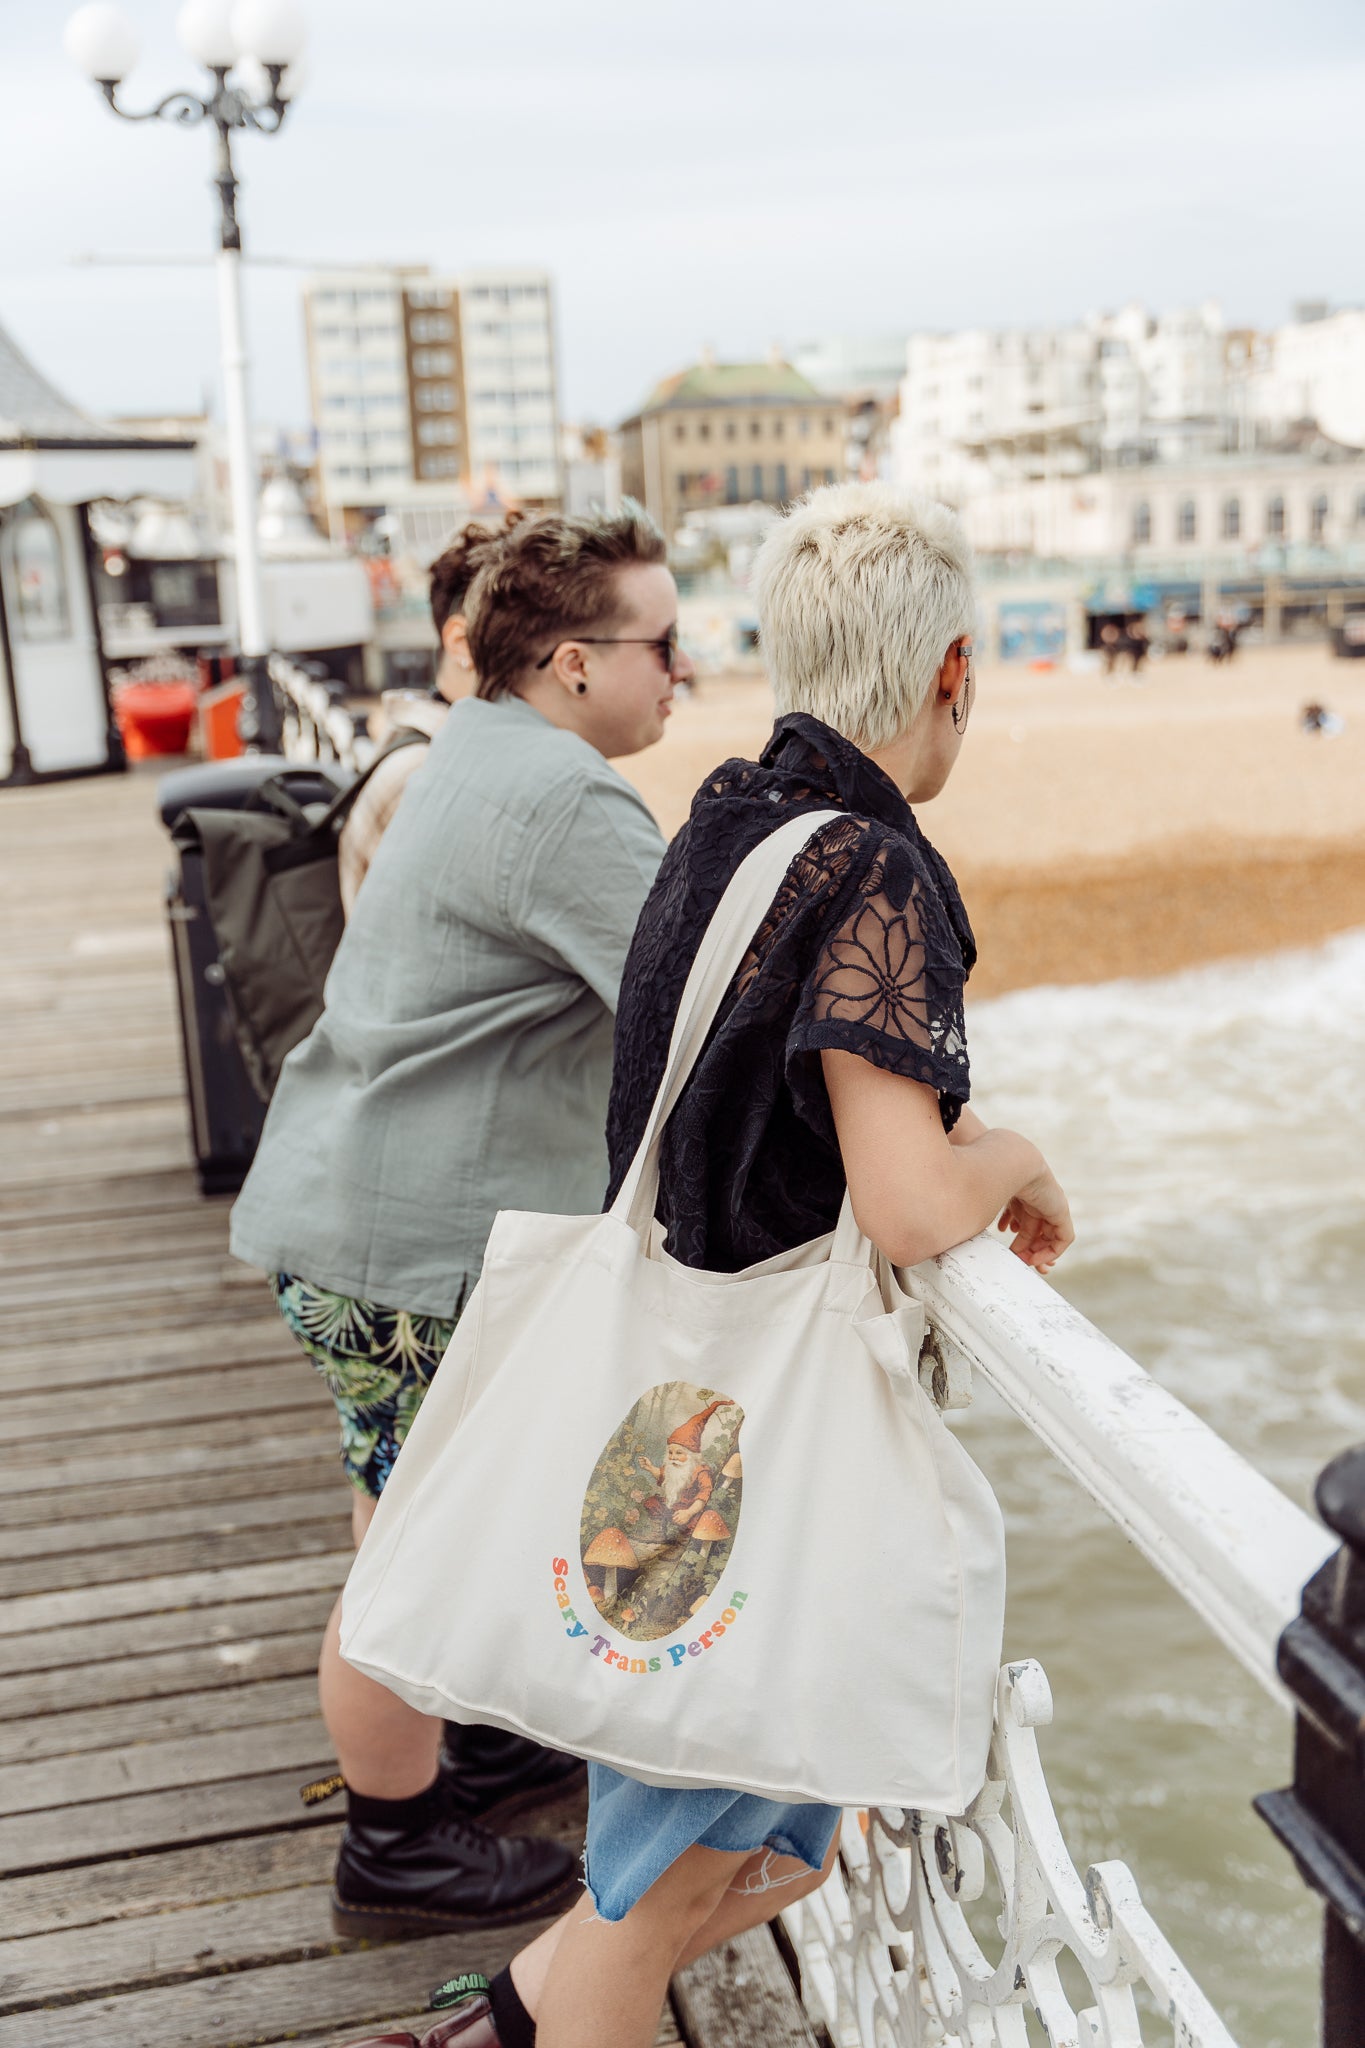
[974, 1180]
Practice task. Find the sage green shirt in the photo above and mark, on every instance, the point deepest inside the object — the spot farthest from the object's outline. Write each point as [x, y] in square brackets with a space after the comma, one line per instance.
[463, 1060]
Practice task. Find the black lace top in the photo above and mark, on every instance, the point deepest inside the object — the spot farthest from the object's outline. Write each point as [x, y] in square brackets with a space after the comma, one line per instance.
[866, 947]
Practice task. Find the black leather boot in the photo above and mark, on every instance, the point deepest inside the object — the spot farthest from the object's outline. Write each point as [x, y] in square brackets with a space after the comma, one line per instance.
[444, 1874]
[493, 1775]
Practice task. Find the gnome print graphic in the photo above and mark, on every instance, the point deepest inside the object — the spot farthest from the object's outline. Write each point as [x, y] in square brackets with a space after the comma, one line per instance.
[661, 1510]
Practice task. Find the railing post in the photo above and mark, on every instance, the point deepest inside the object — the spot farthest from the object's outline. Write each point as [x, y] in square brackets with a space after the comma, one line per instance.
[1321, 1817]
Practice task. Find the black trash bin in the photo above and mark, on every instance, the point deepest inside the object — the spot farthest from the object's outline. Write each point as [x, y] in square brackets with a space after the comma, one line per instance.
[226, 1113]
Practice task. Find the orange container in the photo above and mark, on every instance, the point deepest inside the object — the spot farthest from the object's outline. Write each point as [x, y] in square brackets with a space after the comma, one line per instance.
[218, 710]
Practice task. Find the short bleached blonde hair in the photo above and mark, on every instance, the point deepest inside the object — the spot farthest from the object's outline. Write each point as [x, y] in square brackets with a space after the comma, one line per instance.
[861, 591]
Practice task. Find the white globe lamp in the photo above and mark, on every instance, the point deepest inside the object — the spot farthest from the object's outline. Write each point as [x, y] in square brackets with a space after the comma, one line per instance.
[204, 28]
[101, 40]
[272, 31]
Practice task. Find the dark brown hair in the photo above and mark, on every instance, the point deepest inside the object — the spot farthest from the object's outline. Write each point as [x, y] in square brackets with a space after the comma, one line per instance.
[553, 578]
[458, 564]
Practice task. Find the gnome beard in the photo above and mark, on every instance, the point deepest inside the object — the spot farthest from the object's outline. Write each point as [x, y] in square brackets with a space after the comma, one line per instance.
[679, 1468]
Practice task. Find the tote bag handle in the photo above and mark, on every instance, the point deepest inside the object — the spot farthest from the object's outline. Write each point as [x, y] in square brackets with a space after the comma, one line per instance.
[725, 942]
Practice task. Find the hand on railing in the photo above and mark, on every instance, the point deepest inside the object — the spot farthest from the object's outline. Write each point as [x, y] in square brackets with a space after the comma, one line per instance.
[1040, 1217]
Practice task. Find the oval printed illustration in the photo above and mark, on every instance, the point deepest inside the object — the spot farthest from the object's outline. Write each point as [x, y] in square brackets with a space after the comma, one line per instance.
[662, 1509]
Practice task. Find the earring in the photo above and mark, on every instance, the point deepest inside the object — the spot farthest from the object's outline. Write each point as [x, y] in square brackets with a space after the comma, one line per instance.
[960, 722]
[581, 688]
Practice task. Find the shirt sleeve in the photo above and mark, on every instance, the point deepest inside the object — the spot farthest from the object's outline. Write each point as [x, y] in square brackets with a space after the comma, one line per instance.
[887, 984]
[577, 899]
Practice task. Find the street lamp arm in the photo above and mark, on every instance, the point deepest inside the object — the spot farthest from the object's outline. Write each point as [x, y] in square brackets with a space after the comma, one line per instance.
[185, 108]
[229, 106]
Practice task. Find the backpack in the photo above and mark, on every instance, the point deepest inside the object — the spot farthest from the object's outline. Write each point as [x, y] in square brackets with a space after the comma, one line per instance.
[274, 900]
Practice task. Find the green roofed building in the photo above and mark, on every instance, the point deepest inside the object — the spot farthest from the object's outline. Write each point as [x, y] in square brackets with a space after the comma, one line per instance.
[730, 434]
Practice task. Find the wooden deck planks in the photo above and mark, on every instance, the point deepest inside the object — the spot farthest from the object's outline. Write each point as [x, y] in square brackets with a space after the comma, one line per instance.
[173, 1529]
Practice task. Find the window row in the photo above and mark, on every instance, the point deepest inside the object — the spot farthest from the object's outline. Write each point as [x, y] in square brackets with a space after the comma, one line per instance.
[1230, 519]
[508, 294]
[366, 404]
[741, 482]
[731, 429]
[434, 397]
[381, 473]
[527, 394]
[431, 327]
[351, 301]
[433, 362]
[359, 337]
[376, 369]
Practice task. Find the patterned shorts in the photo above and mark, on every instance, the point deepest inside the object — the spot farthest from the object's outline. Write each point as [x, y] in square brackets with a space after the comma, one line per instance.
[377, 1363]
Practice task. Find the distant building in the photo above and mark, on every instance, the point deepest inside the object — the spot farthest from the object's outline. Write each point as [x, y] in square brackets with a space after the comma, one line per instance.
[864, 374]
[730, 434]
[422, 381]
[1281, 504]
[981, 409]
[1313, 368]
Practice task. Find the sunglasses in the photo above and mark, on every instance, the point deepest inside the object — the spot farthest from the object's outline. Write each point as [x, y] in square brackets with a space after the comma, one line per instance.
[666, 647]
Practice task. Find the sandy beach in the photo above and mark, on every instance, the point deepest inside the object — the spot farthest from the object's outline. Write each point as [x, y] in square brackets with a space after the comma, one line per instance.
[1111, 827]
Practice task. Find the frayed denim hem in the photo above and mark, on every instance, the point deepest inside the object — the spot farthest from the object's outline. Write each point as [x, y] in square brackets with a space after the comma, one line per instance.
[761, 1881]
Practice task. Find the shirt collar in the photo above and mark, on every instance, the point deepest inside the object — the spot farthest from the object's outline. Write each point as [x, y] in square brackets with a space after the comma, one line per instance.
[805, 748]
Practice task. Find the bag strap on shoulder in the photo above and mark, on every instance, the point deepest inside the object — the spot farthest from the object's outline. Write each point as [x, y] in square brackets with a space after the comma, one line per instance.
[726, 940]
[274, 793]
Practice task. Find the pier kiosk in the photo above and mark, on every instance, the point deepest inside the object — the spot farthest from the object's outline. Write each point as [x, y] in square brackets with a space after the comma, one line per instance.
[55, 715]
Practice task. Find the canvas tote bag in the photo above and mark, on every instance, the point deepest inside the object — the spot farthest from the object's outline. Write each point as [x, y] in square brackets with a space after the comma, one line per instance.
[705, 1527]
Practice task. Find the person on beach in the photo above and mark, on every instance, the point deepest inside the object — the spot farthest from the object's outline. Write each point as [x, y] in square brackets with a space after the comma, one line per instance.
[461, 1066]
[452, 573]
[838, 1060]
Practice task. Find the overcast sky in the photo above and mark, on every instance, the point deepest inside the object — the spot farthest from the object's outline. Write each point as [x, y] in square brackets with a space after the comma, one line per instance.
[728, 171]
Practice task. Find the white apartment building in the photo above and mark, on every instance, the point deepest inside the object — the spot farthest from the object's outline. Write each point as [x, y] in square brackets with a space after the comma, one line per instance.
[423, 382]
[511, 405]
[357, 372]
[980, 408]
[1252, 509]
[1313, 368]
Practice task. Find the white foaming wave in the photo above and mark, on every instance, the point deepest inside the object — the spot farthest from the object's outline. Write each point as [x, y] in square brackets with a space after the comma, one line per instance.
[1237, 1085]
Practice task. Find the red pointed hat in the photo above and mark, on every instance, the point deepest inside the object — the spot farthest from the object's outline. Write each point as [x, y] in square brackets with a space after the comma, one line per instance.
[688, 1434]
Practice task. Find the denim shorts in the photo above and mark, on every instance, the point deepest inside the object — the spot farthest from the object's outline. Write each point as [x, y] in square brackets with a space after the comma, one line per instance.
[635, 1831]
[377, 1362]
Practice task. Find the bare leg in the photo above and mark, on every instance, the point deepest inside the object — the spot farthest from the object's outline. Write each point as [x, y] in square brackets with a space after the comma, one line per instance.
[385, 1748]
[606, 1981]
[767, 1884]
[758, 1888]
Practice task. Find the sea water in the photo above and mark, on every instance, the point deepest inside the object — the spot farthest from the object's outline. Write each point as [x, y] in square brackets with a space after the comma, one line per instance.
[1209, 1128]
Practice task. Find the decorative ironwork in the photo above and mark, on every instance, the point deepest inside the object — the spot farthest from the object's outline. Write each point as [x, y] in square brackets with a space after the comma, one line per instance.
[893, 1956]
[229, 108]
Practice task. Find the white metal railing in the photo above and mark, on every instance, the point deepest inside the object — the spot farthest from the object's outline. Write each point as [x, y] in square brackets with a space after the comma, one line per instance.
[316, 729]
[888, 1956]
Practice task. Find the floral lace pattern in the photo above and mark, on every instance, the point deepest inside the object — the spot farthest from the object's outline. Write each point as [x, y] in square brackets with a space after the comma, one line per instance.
[865, 949]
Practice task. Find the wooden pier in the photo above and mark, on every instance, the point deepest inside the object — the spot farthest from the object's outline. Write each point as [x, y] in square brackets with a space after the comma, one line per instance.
[173, 1530]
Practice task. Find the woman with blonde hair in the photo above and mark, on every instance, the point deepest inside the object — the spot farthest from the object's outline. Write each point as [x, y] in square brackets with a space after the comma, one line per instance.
[838, 1061]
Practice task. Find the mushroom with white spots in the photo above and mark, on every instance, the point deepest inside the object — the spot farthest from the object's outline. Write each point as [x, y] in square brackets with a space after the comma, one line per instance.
[708, 1529]
[612, 1550]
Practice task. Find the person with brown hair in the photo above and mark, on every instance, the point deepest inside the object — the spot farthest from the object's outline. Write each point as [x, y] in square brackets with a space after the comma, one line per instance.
[461, 1066]
[451, 575]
